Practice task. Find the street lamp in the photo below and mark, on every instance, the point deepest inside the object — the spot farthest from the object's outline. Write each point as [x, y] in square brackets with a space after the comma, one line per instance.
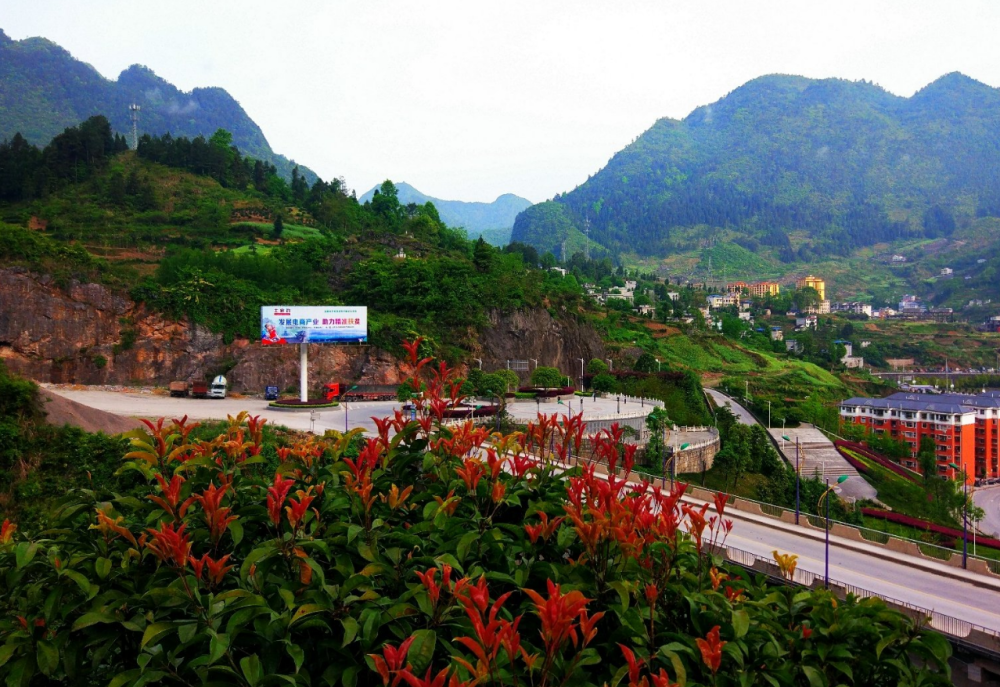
[840, 480]
[657, 365]
[480, 361]
[611, 365]
[534, 361]
[785, 437]
[673, 461]
[965, 517]
[345, 406]
[581, 374]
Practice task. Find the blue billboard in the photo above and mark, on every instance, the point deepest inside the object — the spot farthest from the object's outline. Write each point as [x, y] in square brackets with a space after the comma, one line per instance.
[292, 324]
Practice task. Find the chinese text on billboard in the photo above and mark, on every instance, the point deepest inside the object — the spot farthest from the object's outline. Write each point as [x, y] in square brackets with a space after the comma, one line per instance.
[281, 324]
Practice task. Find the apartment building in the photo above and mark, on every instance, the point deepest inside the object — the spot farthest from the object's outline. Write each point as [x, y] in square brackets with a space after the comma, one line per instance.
[965, 427]
[813, 282]
[759, 289]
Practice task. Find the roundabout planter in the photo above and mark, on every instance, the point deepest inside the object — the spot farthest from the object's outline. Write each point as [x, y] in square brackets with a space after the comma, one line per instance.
[295, 405]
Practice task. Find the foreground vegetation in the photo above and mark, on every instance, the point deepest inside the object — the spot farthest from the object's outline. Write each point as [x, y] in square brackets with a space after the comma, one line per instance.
[433, 557]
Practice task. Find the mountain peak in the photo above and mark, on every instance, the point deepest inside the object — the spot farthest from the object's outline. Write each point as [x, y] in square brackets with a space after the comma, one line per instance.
[45, 90]
[474, 217]
[845, 162]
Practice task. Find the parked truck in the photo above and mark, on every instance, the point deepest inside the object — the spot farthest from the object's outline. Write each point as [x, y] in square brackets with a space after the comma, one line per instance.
[218, 388]
[178, 388]
[369, 392]
[199, 389]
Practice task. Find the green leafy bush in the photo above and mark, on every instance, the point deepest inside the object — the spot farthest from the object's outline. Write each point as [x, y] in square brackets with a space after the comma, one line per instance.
[419, 555]
[547, 377]
[604, 383]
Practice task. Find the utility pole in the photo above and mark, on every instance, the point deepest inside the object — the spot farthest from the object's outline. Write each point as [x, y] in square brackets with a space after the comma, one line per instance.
[134, 109]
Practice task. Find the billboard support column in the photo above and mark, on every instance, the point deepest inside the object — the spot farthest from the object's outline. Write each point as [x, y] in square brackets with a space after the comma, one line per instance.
[303, 372]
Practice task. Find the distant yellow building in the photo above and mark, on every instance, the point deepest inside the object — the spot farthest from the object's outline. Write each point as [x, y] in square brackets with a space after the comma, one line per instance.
[765, 288]
[813, 282]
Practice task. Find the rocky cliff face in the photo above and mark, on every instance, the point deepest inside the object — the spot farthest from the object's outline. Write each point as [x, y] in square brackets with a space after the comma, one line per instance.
[530, 335]
[88, 334]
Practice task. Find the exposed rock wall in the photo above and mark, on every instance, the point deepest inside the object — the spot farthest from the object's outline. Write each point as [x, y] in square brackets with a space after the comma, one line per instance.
[536, 335]
[80, 334]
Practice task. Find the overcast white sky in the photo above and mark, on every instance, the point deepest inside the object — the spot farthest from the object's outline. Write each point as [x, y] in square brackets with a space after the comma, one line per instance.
[468, 99]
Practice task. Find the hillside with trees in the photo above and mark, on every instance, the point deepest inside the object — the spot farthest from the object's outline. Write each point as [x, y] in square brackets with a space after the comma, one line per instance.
[793, 167]
[492, 221]
[44, 89]
[195, 229]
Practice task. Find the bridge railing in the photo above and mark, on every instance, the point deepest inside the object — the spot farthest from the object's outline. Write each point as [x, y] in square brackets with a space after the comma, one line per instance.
[981, 637]
[894, 542]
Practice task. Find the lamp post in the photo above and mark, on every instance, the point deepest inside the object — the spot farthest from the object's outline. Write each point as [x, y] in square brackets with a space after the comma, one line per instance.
[480, 361]
[965, 517]
[345, 406]
[657, 365]
[534, 361]
[785, 437]
[840, 480]
[581, 374]
[611, 365]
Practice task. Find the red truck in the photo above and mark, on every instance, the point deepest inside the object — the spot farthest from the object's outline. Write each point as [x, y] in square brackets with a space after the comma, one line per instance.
[335, 391]
[199, 389]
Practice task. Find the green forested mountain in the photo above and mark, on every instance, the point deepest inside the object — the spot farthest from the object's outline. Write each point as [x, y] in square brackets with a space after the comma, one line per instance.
[191, 228]
[800, 167]
[44, 89]
[491, 220]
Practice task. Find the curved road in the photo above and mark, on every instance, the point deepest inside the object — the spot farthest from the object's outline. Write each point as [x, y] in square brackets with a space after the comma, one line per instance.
[988, 498]
[724, 401]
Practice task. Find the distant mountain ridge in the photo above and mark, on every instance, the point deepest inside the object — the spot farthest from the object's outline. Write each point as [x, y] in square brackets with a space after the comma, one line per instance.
[799, 167]
[492, 220]
[44, 89]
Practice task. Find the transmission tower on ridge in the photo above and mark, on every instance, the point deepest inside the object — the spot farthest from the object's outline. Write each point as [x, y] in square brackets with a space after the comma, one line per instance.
[134, 109]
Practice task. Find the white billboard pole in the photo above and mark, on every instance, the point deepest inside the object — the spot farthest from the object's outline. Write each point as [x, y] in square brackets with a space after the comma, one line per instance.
[303, 372]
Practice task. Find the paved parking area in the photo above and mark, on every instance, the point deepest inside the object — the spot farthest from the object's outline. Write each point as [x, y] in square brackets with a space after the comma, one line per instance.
[133, 403]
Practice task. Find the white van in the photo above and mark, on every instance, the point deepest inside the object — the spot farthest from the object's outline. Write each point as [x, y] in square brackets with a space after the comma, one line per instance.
[218, 388]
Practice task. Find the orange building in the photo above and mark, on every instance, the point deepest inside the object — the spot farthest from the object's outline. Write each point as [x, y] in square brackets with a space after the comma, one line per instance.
[760, 288]
[965, 427]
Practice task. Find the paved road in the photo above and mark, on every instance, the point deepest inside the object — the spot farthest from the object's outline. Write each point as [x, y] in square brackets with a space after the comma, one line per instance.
[988, 498]
[818, 453]
[819, 457]
[724, 401]
[155, 405]
[876, 572]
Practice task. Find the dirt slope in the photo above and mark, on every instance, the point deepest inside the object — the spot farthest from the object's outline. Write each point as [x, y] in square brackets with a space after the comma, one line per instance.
[62, 411]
